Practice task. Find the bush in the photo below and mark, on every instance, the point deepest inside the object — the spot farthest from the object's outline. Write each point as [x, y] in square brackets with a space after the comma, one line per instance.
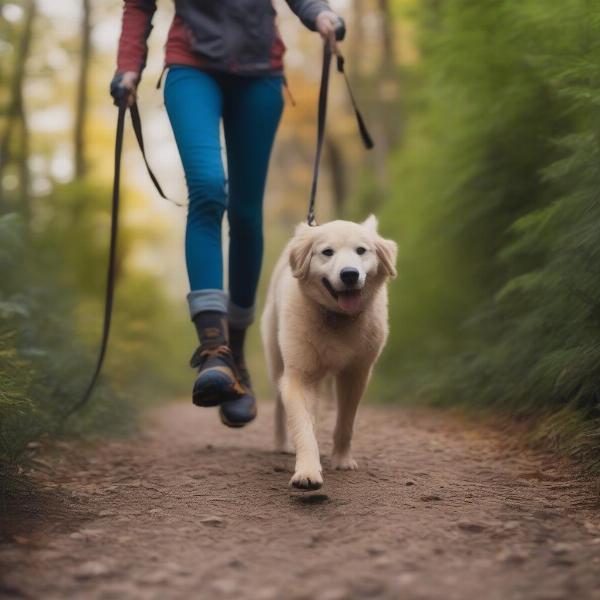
[497, 212]
[52, 272]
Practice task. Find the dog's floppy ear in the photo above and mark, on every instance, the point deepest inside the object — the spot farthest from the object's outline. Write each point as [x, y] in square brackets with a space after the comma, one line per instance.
[387, 252]
[301, 251]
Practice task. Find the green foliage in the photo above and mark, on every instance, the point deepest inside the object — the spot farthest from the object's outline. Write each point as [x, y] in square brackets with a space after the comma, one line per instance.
[497, 212]
[52, 272]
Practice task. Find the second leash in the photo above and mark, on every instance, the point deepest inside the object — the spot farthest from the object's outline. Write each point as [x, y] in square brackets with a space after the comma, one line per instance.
[322, 117]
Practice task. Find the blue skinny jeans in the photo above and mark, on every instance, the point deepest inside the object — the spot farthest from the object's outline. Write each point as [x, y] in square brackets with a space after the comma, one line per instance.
[250, 108]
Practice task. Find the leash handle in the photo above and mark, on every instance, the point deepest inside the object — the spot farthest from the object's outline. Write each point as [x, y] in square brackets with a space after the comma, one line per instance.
[322, 117]
[121, 95]
[362, 128]
[136, 123]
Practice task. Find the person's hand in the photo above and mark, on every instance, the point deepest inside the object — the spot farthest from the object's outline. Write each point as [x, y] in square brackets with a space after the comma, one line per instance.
[124, 87]
[327, 23]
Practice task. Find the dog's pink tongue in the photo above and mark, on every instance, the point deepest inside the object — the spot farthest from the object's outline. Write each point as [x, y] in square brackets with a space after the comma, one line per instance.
[350, 302]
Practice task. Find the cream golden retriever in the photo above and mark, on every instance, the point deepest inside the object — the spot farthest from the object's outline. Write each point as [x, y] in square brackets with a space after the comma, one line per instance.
[325, 315]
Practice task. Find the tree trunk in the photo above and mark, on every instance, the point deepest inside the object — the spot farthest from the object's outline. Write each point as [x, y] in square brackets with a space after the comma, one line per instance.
[81, 106]
[16, 116]
[357, 32]
[387, 35]
[22, 158]
[388, 125]
[15, 109]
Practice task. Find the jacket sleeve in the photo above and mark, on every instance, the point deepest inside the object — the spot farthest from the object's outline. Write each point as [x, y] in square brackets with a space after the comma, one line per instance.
[135, 29]
[308, 10]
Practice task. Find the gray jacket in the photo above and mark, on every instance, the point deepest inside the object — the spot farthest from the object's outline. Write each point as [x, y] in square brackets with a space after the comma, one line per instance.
[241, 35]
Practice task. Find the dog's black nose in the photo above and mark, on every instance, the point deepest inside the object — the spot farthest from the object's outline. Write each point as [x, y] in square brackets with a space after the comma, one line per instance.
[349, 275]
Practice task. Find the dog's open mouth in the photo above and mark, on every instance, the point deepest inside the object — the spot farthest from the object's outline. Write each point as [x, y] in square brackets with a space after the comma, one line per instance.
[350, 301]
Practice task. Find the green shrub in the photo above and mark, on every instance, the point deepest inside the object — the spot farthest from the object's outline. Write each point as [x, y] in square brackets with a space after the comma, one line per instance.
[497, 213]
[51, 301]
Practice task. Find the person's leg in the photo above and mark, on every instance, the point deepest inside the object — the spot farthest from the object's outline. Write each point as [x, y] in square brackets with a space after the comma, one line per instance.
[194, 103]
[251, 113]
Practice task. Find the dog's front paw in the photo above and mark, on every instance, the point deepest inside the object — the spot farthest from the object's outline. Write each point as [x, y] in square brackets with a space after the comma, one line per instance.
[307, 479]
[343, 462]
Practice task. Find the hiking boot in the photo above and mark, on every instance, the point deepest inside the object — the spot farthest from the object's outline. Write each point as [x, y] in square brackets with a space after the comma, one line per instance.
[241, 410]
[217, 381]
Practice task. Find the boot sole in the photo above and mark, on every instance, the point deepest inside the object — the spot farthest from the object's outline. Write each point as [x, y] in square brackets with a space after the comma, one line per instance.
[234, 424]
[214, 391]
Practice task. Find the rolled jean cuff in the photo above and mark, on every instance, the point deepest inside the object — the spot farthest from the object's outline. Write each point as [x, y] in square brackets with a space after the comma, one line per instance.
[201, 300]
[239, 317]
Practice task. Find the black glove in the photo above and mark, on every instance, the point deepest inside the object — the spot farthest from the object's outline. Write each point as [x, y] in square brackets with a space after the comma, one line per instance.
[118, 91]
[340, 29]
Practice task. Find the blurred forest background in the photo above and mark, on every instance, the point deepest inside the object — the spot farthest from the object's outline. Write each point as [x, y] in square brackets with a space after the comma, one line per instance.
[486, 170]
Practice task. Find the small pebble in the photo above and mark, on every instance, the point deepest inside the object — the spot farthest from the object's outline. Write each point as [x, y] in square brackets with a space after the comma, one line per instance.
[471, 527]
[212, 521]
[376, 550]
[561, 548]
[512, 556]
[91, 569]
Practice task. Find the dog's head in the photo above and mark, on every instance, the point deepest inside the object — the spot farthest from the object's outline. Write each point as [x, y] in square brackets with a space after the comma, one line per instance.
[342, 264]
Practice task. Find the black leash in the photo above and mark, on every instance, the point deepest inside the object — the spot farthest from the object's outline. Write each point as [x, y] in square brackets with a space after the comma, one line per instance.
[322, 116]
[114, 228]
[136, 122]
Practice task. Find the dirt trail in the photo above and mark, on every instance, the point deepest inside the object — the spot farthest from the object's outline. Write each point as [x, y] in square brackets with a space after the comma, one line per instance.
[189, 509]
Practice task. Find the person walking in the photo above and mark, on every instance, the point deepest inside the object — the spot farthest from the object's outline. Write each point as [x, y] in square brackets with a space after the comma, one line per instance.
[225, 63]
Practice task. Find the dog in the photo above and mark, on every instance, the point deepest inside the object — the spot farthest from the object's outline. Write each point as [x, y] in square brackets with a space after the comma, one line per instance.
[326, 315]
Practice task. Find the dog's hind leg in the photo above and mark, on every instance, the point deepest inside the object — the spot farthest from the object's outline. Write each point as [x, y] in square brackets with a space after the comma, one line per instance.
[299, 400]
[275, 370]
[351, 385]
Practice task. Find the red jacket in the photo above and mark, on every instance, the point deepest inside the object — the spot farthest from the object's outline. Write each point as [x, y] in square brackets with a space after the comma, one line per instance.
[184, 35]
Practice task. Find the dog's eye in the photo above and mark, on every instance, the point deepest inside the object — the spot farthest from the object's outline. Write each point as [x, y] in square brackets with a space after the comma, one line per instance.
[361, 250]
[328, 252]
